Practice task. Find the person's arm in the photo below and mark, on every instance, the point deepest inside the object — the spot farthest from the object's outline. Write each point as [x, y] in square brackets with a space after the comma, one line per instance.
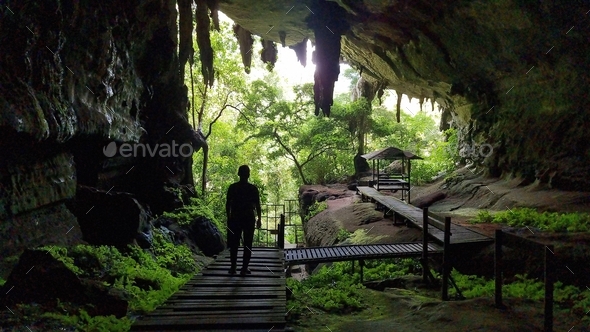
[258, 210]
[228, 202]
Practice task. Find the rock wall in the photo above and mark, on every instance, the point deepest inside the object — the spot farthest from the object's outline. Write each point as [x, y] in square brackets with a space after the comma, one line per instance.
[75, 77]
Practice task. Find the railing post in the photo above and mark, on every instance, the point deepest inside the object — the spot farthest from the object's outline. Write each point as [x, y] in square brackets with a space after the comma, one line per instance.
[446, 260]
[361, 264]
[498, 268]
[549, 278]
[425, 245]
[281, 235]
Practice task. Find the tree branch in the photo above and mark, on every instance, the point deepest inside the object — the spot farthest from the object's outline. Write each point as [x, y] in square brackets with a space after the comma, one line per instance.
[225, 105]
[294, 158]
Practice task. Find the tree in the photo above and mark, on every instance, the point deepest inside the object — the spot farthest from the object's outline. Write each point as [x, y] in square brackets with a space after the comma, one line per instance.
[290, 127]
[210, 103]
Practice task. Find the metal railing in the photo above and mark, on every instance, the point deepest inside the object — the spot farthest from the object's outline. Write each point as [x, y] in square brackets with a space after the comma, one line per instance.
[269, 235]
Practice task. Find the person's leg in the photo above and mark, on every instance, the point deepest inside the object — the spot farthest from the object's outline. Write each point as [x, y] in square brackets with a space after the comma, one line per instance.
[233, 242]
[248, 238]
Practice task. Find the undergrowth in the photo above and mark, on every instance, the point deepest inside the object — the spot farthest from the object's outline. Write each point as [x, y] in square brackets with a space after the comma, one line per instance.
[316, 208]
[547, 221]
[147, 278]
[333, 289]
[198, 207]
[566, 296]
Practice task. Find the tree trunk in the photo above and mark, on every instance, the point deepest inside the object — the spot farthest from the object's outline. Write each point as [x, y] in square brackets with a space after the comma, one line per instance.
[204, 174]
[398, 106]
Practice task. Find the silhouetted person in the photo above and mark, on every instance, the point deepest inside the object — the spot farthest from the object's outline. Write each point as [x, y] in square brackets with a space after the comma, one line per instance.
[242, 207]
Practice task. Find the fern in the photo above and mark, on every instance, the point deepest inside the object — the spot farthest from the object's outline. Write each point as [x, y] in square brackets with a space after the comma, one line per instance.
[548, 221]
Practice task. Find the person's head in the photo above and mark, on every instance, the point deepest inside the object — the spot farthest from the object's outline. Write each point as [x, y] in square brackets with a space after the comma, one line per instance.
[244, 172]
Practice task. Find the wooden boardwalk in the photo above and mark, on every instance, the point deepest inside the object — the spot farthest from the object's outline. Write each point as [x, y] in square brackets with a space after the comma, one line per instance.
[459, 234]
[214, 300]
[357, 252]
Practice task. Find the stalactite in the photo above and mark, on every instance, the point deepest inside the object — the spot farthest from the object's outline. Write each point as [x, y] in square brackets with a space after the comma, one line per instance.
[246, 42]
[398, 106]
[421, 103]
[432, 104]
[328, 25]
[283, 38]
[213, 6]
[301, 51]
[204, 42]
[269, 53]
[185, 35]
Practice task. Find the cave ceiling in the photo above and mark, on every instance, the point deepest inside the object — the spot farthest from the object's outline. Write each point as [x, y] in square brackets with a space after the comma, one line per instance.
[418, 48]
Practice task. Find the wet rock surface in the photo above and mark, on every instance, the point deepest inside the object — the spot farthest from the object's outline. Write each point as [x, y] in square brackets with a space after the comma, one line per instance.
[40, 278]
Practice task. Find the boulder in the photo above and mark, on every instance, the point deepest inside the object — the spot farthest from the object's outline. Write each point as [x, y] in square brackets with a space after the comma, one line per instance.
[207, 237]
[110, 218]
[201, 235]
[40, 278]
[428, 200]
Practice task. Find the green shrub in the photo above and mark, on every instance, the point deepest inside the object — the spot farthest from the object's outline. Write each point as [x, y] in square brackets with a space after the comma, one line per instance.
[84, 322]
[316, 208]
[547, 221]
[342, 235]
[567, 296]
[198, 207]
[361, 236]
[146, 278]
[333, 289]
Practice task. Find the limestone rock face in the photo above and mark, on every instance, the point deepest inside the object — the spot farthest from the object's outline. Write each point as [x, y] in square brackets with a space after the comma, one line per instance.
[74, 80]
[510, 76]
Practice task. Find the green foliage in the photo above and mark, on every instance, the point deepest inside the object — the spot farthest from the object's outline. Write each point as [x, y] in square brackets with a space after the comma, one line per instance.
[198, 207]
[2, 282]
[342, 235]
[548, 221]
[84, 322]
[361, 236]
[330, 289]
[176, 258]
[316, 208]
[419, 134]
[391, 268]
[290, 132]
[567, 296]
[148, 280]
[333, 289]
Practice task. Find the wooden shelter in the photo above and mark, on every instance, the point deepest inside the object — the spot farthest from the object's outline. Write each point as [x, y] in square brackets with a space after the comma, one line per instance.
[393, 180]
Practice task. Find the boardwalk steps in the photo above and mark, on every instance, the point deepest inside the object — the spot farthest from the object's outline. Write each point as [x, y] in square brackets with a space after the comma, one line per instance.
[459, 234]
[213, 300]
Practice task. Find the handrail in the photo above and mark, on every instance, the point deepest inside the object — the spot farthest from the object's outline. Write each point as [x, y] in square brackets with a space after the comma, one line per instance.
[281, 235]
[515, 241]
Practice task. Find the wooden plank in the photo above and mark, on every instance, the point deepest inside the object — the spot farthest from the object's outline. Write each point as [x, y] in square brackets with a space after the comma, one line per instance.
[236, 320]
[222, 311]
[223, 303]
